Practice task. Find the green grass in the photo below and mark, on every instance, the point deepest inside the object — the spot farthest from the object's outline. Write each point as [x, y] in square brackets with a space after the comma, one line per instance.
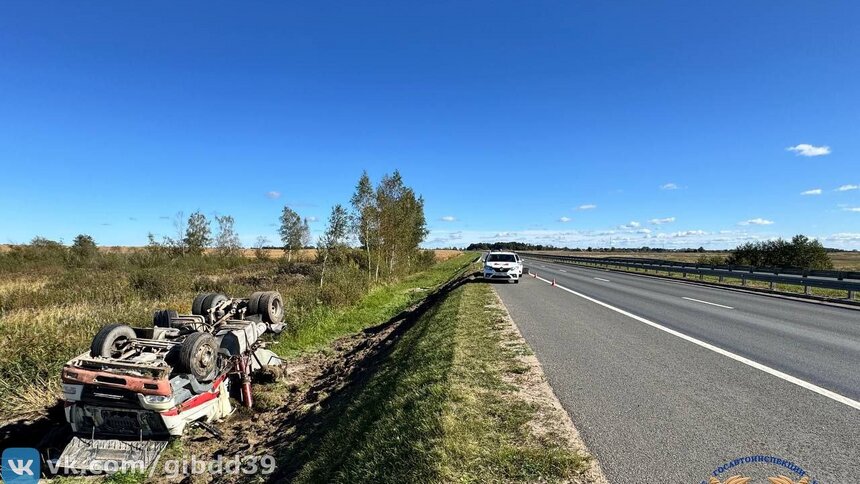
[438, 408]
[379, 305]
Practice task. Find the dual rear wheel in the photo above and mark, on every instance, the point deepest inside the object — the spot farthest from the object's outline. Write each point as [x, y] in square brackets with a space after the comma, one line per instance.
[197, 355]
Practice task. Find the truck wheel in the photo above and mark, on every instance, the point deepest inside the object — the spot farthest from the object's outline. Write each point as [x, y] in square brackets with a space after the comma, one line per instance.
[197, 305]
[163, 318]
[211, 301]
[198, 355]
[111, 340]
[254, 303]
[271, 306]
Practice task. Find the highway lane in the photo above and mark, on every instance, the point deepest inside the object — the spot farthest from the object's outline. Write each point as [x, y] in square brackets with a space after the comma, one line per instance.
[815, 342]
[654, 407]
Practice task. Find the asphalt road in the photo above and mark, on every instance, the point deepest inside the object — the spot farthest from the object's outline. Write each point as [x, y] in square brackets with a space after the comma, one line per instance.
[654, 406]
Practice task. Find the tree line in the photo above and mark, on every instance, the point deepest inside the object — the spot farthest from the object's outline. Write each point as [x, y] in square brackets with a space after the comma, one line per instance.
[380, 232]
[800, 252]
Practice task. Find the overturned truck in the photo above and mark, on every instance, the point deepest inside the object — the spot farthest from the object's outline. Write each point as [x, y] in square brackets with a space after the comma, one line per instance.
[137, 387]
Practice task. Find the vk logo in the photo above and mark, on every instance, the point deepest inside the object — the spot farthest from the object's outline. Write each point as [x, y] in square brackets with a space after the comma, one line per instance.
[20, 466]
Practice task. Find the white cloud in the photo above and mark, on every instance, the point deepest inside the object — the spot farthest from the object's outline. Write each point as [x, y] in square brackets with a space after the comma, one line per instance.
[847, 188]
[448, 218]
[661, 221]
[564, 219]
[587, 206]
[844, 237]
[814, 191]
[632, 225]
[312, 219]
[852, 209]
[756, 221]
[669, 186]
[688, 233]
[565, 237]
[273, 195]
[804, 149]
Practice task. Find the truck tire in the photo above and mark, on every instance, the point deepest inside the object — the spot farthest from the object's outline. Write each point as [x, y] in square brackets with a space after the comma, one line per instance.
[111, 339]
[254, 303]
[211, 301]
[163, 318]
[271, 306]
[198, 355]
[197, 305]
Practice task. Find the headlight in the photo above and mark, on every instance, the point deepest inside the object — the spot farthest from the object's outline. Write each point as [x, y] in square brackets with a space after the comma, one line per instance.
[488, 268]
[156, 398]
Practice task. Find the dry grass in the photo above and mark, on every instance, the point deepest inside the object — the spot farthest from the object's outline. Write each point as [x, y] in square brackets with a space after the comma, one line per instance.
[305, 255]
[50, 310]
[845, 261]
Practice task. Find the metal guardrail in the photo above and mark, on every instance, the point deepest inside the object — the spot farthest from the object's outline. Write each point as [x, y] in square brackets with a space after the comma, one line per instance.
[838, 280]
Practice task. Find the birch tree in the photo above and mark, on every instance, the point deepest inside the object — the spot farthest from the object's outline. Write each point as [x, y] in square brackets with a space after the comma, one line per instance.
[291, 231]
[334, 237]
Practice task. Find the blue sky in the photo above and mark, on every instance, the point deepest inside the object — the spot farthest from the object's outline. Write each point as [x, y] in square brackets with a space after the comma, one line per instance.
[671, 120]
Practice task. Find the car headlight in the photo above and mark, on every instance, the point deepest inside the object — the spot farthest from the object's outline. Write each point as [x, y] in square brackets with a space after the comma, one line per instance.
[156, 398]
[488, 268]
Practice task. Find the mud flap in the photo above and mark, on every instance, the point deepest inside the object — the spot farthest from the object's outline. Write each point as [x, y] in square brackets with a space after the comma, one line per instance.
[106, 456]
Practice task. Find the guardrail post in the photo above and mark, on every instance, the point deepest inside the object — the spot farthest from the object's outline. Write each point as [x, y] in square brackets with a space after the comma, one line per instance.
[806, 288]
[771, 285]
[743, 280]
[850, 295]
[701, 276]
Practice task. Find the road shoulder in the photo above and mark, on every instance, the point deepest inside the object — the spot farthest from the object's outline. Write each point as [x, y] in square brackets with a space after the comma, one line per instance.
[550, 419]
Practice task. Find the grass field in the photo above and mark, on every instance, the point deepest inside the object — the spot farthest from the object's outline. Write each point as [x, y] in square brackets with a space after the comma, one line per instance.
[49, 311]
[846, 261]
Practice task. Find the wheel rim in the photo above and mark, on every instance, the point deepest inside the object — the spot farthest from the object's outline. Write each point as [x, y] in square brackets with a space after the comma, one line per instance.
[117, 345]
[203, 358]
[275, 308]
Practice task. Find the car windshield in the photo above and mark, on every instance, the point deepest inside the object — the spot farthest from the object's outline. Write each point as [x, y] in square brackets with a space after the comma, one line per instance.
[501, 258]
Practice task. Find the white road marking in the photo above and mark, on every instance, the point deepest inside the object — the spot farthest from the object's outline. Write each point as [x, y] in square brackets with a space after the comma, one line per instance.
[562, 270]
[602, 279]
[771, 371]
[706, 302]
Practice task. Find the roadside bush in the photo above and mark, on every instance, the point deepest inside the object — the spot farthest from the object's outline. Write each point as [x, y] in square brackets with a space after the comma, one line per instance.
[83, 249]
[345, 284]
[799, 253]
[298, 267]
[157, 283]
[711, 260]
[40, 252]
[425, 258]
